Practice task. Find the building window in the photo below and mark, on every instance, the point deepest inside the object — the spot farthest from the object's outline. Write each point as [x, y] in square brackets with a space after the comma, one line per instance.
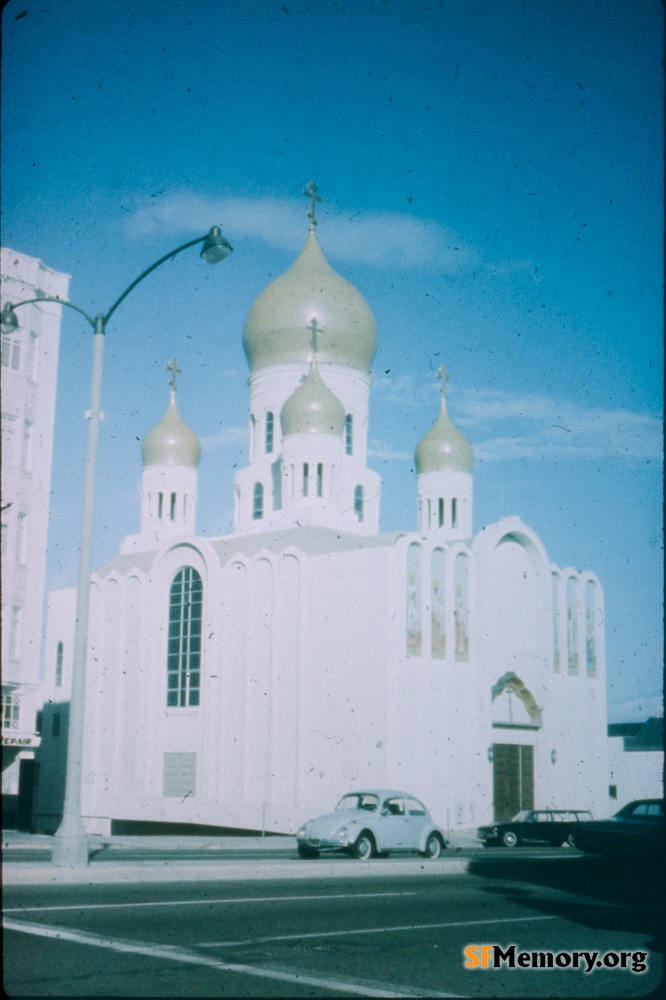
[15, 635]
[184, 651]
[10, 711]
[258, 502]
[270, 431]
[440, 512]
[11, 351]
[349, 434]
[590, 628]
[461, 608]
[33, 363]
[454, 513]
[172, 509]
[26, 457]
[358, 502]
[437, 606]
[320, 479]
[22, 539]
[572, 625]
[55, 724]
[413, 600]
[306, 478]
[58, 672]
[556, 621]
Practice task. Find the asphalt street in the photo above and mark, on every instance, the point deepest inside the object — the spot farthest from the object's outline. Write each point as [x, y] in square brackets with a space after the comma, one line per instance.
[329, 928]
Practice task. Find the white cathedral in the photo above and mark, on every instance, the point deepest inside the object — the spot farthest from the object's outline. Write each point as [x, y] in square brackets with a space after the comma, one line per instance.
[248, 681]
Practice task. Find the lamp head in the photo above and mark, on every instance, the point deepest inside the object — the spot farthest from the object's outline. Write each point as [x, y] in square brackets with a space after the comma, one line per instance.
[9, 319]
[215, 247]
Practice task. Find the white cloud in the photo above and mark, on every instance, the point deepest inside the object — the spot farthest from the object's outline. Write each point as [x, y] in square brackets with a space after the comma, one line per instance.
[503, 425]
[391, 240]
[382, 451]
[229, 436]
[533, 426]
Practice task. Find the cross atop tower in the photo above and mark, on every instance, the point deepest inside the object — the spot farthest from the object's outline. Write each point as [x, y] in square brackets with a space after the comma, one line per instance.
[443, 377]
[314, 329]
[175, 370]
[310, 191]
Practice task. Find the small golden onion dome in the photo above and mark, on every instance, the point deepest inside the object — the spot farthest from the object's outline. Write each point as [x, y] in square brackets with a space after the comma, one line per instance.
[312, 408]
[171, 442]
[444, 448]
[276, 326]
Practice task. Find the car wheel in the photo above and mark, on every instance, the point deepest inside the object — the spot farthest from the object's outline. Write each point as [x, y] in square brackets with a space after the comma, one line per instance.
[307, 853]
[364, 847]
[433, 847]
[571, 840]
[509, 839]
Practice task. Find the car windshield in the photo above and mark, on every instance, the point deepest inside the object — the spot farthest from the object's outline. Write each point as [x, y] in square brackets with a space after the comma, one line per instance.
[523, 816]
[358, 800]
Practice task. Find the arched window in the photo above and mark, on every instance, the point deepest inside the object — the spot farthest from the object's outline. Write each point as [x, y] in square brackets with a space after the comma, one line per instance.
[358, 502]
[437, 606]
[590, 628]
[320, 479]
[413, 600]
[270, 426]
[59, 657]
[184, 649]
[555, 584]
[258, 502]
[572, 624]
[349, 434]
[461, 607]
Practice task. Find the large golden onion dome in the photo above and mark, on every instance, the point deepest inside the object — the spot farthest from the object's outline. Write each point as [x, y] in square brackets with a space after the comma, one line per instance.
[171, 442]
[312, 408]
[276, 327]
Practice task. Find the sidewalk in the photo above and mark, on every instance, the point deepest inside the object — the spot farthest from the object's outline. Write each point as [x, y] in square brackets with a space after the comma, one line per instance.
[207, 867]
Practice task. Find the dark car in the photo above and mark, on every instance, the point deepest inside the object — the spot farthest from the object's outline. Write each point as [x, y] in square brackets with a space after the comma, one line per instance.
[534, 826]
[638, 828]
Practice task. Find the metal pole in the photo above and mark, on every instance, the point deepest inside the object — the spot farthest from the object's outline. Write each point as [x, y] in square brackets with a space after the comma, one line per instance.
[70, 844]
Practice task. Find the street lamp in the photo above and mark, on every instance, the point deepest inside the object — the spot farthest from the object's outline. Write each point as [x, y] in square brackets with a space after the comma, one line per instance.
[70, 843]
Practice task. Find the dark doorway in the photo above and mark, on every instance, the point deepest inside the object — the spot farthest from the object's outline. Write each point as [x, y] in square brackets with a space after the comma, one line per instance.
[25, 795]
[513, 779]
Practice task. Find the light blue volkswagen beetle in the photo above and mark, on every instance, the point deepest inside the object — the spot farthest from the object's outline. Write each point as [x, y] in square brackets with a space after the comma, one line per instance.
[379, 821]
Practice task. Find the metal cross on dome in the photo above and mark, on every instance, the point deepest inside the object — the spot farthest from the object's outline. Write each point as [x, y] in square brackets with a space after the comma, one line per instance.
[310, 191]
[314, 329]
[443, 377]
[175, 370]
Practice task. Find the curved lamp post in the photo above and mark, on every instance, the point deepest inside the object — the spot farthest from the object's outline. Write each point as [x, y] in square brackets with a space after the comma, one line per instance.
[70, 844]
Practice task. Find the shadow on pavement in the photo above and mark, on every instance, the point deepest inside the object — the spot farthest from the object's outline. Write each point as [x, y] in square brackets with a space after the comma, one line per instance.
[620, 895]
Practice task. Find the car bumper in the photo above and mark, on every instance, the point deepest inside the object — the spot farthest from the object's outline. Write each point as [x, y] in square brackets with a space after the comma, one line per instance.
[317, 844]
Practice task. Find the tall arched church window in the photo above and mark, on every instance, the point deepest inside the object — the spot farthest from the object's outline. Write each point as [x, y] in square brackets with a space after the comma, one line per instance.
[590, 628]
[349, 434]
[437, 607]
[572, 625]
[358, 502]
[258, 502]
[270, 430]
[555, 588]
[184, 644]
[413, 600]
[59, 659]
[461, 607]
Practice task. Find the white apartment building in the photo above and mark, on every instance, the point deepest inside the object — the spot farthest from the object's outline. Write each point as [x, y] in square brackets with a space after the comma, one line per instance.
[29, 377]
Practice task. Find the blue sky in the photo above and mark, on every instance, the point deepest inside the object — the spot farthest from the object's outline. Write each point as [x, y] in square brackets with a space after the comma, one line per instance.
[492, 178]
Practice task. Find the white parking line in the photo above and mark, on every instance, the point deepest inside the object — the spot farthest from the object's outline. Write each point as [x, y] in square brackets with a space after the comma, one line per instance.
[206, 902]
[174, 954]
[372, 930]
